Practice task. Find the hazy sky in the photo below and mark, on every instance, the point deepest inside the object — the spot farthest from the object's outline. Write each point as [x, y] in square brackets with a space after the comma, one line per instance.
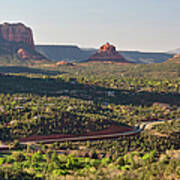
[148, 25]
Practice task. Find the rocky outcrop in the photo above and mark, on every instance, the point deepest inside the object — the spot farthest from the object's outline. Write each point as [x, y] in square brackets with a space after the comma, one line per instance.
[108, 53]
[107, 48]
[17, 40]
[61, 63]
[17, 33]
[175, 59]
[25, 55]
[177, 56]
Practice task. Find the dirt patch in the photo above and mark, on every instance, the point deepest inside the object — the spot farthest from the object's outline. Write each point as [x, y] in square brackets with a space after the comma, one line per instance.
[155, 133]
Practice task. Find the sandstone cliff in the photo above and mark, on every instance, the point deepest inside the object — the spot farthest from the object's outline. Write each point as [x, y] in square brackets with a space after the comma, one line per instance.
[17, 40]
[17, 33]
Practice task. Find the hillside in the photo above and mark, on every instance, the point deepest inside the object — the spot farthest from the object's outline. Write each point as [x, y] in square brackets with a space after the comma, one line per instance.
[86, 99]
[146, 57]
[174, 59]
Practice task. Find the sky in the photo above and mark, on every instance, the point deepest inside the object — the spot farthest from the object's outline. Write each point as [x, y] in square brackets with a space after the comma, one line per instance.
[144, 25]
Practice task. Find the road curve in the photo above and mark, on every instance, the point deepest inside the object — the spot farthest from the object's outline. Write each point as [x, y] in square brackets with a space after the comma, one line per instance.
[138, 129]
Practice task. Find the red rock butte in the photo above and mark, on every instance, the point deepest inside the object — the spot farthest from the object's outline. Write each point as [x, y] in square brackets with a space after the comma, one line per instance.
[17, 33]
[106, 53]
[18, 39]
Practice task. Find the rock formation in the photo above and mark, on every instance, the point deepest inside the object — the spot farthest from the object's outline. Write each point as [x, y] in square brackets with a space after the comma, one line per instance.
[108, 53]
[175, 58]
[25, 55]
[61, 63]
[17, 33]
[17, 39]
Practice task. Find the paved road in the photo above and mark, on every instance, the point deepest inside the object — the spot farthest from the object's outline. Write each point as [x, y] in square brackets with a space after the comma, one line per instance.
[138, 128]
[83, 138]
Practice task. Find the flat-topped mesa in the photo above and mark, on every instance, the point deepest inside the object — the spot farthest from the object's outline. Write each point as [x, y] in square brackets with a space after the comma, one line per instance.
[17, 33]
[108, 53]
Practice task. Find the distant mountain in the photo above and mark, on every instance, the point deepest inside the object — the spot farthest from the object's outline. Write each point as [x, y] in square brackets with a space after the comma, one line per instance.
[17, 44]
[175, 51]
[76, 54]
[63, 52]
[146, 57]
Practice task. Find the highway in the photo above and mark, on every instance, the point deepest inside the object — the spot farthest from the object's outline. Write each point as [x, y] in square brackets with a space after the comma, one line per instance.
[138, 129]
